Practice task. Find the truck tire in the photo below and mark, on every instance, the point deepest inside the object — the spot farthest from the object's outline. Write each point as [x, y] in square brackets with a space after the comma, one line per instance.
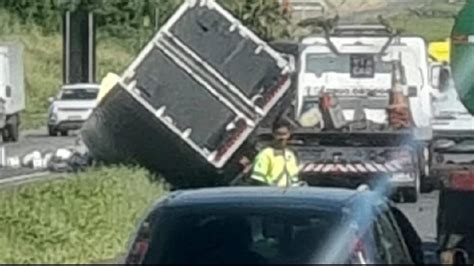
[424, 157]
[410, 195]
[3, 135]
[13, 128]
[52, 132]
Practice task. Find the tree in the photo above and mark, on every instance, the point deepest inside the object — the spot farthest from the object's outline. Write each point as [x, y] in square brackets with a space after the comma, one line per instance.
[127, 18]
[265, 17]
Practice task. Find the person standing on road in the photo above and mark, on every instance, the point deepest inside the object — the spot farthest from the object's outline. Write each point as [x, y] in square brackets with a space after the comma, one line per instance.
[277, 165]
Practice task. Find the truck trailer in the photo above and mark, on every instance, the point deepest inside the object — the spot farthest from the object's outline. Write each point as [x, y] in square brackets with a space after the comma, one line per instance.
[12, 91]
[191, 98]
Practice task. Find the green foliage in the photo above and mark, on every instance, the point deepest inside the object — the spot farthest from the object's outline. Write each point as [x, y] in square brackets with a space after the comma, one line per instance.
[82, 219]
[265, 17]
[43, 62]
[432, 29]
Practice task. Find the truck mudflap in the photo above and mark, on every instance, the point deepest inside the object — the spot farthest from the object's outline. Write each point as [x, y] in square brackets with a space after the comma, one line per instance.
[397, 174]
[353, 168]
[192, 96]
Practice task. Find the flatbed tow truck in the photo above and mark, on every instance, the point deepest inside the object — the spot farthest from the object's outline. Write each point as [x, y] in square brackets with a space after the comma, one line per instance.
[370, 76]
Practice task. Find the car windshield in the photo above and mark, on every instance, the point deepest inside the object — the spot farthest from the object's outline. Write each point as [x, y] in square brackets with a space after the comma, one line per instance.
[79, 94]
[282, 236]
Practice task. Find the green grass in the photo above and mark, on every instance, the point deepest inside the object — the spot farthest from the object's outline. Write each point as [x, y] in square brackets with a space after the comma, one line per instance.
[43, 63]
[434, 28]
[82, 219]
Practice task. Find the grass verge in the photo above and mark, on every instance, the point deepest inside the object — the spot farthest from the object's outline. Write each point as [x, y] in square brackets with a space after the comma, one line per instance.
[77, 220]
[42, 57]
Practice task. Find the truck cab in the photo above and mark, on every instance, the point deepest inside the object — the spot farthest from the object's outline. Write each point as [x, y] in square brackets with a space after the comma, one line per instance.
[361, 66]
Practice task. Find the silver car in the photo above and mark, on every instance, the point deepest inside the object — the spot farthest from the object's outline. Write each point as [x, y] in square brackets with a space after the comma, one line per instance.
[71, 108]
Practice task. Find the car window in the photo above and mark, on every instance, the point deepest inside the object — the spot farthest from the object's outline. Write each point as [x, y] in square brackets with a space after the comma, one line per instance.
[276, 237]
[409, 234]
[79, 94]
[391, 247]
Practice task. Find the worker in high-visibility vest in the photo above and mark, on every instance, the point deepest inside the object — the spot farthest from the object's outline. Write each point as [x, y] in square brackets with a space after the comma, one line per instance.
[277, 165]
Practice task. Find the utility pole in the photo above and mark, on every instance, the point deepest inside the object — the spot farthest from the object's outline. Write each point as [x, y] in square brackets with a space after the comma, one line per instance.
[79, 47]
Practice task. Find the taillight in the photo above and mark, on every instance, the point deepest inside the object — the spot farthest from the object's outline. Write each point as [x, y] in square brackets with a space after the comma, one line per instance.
[359, 253]
[140, 247]
[137, 254]
[461, 180]
[459, 39]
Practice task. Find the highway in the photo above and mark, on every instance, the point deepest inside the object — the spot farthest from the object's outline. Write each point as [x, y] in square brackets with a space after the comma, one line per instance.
[33, 140]
[423, 215]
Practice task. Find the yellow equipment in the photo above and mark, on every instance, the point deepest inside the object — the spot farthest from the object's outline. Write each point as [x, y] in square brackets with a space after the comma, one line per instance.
[108, 82]
[440, 51]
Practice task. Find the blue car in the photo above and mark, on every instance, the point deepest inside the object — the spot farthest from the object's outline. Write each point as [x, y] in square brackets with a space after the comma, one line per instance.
[267, 225]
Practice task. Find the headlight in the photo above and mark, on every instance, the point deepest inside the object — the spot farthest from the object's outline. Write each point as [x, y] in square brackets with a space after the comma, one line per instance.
[53, 114]
[53, 118]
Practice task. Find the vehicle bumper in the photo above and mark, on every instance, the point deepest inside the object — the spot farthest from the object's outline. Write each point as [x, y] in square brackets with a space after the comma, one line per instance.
[403, 180]
[392, 180]
[67, 125]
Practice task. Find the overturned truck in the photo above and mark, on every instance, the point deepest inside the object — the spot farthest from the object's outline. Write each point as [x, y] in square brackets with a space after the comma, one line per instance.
[190, 99]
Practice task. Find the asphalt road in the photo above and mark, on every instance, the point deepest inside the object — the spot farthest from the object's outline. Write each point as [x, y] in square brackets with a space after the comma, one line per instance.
[423, 215]
[34, 140]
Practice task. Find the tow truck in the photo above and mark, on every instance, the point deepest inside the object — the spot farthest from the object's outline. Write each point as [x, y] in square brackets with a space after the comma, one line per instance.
[360, 70]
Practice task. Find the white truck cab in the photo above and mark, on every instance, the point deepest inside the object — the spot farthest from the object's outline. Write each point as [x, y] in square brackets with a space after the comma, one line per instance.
[356, 61]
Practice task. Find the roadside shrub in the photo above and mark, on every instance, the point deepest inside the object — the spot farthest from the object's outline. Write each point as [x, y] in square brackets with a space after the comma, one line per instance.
[84, 218]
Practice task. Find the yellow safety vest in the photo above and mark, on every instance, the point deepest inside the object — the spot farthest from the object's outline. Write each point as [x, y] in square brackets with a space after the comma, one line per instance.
[276, 167]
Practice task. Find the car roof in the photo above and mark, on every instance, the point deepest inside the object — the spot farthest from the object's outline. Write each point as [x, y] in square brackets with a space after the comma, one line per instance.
[81, 86]
[304, 197]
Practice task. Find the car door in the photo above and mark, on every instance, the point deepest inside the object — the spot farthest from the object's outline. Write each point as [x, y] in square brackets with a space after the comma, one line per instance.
[391, 245]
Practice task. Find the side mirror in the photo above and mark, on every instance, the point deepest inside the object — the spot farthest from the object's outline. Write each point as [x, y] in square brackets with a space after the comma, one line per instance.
[455, 257]
[444, 77]
[440, 76]
[51, 99]
[8, 91]
[435, 72]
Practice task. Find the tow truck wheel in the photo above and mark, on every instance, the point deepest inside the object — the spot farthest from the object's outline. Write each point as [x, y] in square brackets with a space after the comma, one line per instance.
[410, 195]
[52, 132]
[424, 161]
